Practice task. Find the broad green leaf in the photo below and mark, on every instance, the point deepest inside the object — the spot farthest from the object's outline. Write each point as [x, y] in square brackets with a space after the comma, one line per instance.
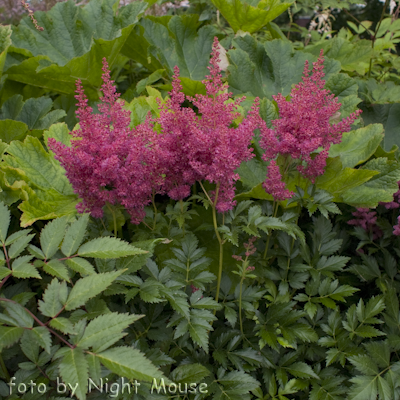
[243, 16]
[56, 70]
[174, 42]
[388, 116]
[54, 298]
[81, 266]
[12, 130]
[34, 113]
[63, 38]
[52, 235]
[338, 181]
[74, 235]
[40, 168]
[130, 363]
[105, 330]
[264, 70]
[60, 133]
[74, 371]
[357, 146]
[38, 179]
[9, 335]
[353, 56]
[252, 173]
[5, 217]
[46, 204]
[57, 269]
[88, 287]
[374, 92]
[108, 247]
[189, 373]
[380, 187]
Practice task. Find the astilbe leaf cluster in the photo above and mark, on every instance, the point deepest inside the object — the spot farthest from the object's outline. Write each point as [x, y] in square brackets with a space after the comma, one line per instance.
[109, 163]
[304, 131]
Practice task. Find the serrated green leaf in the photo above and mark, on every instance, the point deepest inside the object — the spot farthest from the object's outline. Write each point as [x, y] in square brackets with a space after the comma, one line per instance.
[108, 247]
[364, 388]
[364, 364]
[54, 298]
[19, 246]
[94, 368]
[81, 266]
[63, 324]
[18, 314]
[130, 363]
[105, 330]
[56, 268]
[43, 337]
[74, 235]
[5, 217]
[189, 373]
[30, 346]
[88, 287]
[21, 268]
[301, 370]
[236, 383]
[4, 272]
[9, 335]
[74, 371]
[17, 235]
[52, 235]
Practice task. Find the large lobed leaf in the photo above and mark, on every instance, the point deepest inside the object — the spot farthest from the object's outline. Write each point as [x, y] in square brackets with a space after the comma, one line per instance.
[250, 16]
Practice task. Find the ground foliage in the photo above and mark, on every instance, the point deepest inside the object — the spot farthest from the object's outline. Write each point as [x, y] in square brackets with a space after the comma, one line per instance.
[269, 300]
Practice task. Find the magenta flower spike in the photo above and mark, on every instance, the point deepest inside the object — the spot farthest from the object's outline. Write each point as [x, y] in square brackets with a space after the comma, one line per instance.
[107, 161]
[303, 128]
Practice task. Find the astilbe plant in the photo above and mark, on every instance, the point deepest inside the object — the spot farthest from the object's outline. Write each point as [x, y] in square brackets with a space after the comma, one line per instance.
[206, 147]
[304, 127]
[108, 163]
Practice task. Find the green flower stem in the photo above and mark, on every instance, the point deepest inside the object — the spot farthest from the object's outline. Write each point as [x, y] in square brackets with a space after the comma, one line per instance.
[220, 241]
[114, 218]
[275, 208]
[155, 211]
[183, 225]
[242, 278]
